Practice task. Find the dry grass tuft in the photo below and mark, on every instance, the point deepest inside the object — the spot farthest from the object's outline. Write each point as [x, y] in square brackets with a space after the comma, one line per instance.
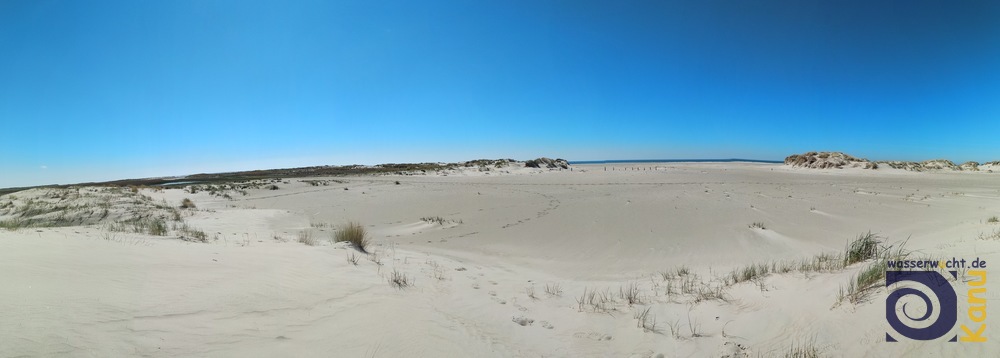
[306, 237]
[399, 280]
[630, 293]
[645, 320]
[355, 234]
[803, 350]
[553, 289]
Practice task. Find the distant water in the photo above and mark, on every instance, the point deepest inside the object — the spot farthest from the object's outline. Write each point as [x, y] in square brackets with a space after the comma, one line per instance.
[617, 161]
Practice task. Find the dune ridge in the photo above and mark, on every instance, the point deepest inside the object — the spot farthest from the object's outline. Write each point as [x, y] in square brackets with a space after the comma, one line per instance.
[839, 160]
[680, 259]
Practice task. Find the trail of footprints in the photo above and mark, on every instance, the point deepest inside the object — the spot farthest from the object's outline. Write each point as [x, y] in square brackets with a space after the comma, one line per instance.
[552, 205]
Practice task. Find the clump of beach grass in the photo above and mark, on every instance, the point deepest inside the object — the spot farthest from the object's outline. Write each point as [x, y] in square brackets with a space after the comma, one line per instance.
[355, 234]
[993, 220]
[630, 293]
[645, 320]
[151, 226]
[995, 235]
[187, 204]
[439, 220]
[553, 289]
[306, 237]
[13, 224]
[671, 274]
[598, 301]
[806, 349]
[859, 287]
[187, 233]
[399, 280]
[864, 247]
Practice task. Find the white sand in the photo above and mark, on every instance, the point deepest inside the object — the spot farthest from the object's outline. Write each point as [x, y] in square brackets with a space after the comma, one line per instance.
[70, 292]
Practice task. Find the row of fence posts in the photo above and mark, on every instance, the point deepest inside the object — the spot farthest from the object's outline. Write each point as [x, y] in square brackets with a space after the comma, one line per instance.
[634, 168]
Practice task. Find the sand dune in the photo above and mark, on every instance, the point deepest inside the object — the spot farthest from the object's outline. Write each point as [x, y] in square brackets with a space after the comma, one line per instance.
[523, 262]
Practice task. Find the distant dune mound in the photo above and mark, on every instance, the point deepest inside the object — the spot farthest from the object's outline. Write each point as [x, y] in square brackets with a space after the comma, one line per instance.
[935, 164]
[547, 163]
[969, 166]
[486, 163]
[938, 164]
[989, 167]
[827, 160]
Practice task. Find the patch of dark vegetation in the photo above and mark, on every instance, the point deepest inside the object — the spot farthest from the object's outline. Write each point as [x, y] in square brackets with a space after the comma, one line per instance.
[273, 176]
[547, 163]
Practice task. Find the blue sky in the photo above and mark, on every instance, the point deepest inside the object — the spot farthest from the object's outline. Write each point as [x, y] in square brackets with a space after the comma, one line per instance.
[104, 90]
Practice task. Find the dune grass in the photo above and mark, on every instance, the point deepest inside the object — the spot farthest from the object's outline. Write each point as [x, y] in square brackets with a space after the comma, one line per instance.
[645, 320]
[860, 286]
[995, 235]
[355, 234]
[553, 289]
[150, 226]
[306, 237]
[806, 349]
[630, 293]
[865, 247]
[189, 233]
[14, 224]
[399, 280]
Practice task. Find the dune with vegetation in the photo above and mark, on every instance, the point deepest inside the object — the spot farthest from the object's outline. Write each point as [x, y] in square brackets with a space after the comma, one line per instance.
[489, 258]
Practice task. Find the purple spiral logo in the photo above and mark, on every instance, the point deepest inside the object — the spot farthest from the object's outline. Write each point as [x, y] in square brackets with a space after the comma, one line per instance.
[938, 286]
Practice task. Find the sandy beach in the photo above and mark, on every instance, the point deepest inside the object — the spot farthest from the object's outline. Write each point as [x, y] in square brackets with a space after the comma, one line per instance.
[623, 260]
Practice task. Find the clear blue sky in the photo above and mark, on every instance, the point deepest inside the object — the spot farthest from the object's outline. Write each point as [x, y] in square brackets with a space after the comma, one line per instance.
[97, 90]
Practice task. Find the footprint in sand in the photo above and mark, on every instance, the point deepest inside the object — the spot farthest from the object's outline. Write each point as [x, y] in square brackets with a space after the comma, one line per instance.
[523, 321]
[733, 350]
[593, 335]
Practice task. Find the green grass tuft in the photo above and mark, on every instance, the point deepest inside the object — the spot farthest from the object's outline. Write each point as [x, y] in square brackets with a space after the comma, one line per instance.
[864, 247]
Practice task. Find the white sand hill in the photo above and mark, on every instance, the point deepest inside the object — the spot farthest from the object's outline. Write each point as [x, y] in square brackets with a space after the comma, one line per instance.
[598, 261]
